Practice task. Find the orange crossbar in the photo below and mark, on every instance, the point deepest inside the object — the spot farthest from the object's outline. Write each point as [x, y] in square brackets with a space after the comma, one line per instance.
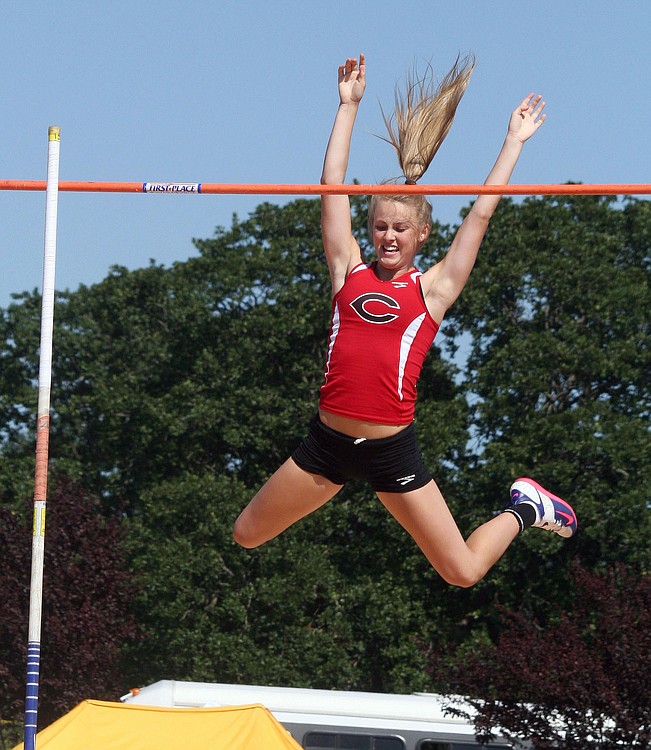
[207, 188]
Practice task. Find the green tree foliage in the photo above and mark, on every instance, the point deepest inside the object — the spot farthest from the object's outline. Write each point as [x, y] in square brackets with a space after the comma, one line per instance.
[177, 391]
[556, 316]
[342, 599]
[328, 596]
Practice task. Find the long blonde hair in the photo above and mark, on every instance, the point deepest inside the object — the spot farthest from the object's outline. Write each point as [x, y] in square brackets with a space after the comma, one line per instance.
[421, 119]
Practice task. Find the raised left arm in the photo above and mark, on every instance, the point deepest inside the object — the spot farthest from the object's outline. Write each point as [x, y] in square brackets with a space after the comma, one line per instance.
[443, 282]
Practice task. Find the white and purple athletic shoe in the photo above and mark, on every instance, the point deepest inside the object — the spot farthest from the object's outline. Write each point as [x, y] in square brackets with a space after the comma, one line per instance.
[552, 512]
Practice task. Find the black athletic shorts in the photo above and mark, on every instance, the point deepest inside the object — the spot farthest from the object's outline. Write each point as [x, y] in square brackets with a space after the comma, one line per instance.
[391, 464]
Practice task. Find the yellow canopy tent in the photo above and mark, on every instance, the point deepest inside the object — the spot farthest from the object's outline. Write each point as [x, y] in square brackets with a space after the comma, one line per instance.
[100, 725]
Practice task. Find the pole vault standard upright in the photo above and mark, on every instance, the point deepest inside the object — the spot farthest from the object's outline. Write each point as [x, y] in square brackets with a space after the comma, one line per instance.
[42, 441]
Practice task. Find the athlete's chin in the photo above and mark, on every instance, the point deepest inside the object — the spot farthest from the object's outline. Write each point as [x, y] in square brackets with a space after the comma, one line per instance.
[391, 263]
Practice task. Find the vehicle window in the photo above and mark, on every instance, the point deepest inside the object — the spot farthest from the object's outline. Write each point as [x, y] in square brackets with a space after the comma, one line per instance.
[388, 743]
[341, 741]
[438, 745]
[314, 740]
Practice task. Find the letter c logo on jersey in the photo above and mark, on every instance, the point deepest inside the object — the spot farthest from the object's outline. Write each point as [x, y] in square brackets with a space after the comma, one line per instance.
[362, 306]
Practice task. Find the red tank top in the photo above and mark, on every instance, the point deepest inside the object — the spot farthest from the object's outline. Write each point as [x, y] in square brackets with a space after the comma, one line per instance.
[380, 334]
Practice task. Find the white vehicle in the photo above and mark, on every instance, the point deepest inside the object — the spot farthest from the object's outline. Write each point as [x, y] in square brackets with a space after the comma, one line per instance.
[329, 719]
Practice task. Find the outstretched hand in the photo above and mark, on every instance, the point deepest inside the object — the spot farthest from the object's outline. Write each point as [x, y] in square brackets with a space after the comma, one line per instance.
[352, 80]
[527, 117]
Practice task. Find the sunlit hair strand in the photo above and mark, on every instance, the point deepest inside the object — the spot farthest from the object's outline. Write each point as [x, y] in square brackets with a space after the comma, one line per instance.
[421, 120]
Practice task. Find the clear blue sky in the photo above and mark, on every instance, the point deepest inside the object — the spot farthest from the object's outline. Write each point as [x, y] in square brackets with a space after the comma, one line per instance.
[237, 91]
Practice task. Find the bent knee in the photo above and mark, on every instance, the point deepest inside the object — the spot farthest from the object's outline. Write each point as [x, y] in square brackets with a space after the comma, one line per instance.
[462, 577]
[245, 536]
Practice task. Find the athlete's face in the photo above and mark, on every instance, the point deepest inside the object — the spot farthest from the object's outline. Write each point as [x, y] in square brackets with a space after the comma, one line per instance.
[397, 237]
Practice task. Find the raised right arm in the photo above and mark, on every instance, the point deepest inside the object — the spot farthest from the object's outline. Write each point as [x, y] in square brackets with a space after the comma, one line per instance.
[341, 249]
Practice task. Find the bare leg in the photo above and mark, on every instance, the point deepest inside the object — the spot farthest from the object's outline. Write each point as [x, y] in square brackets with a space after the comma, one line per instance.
[426, 516]
[288, 495]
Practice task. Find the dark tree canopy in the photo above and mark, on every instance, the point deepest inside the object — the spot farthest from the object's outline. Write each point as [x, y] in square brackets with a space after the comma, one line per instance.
[576, 679]
[177, 391]
[87, 591]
